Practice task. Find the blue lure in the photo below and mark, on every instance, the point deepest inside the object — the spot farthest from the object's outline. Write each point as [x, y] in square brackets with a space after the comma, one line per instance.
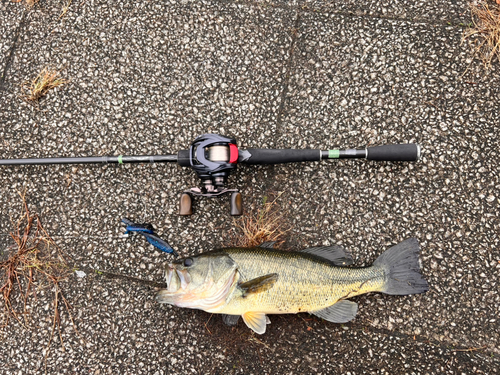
[147, 231]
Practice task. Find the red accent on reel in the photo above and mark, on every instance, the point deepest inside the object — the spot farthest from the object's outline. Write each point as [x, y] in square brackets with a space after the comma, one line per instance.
[233, 153]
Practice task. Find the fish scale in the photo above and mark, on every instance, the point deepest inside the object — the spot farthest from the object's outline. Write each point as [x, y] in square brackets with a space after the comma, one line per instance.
[305, 282]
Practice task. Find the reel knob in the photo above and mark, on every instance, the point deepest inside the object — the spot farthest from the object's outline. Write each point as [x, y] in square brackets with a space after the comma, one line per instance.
[236, 204]
[186, 205]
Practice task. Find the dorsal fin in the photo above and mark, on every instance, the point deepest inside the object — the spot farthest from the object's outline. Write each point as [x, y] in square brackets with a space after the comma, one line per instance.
[267, 245]
[259, 284]
[335, 254]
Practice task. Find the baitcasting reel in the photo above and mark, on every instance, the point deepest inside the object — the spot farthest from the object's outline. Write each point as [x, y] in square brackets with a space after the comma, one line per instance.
[212, 157]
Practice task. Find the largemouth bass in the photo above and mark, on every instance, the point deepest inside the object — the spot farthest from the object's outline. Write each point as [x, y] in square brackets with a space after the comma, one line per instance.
[253, 282]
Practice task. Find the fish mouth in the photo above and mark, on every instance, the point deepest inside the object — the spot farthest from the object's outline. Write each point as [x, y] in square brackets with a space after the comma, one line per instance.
[172, 279]
[176, 279]
[184, 278]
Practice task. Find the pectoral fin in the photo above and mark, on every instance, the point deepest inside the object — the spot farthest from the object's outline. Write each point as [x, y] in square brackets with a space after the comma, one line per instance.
[259, 284]
[335, 254]
[256, 321]
[341, 312]
[230, 320]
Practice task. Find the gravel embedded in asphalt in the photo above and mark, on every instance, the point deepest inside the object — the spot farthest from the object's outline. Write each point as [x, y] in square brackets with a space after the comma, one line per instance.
[147, 78]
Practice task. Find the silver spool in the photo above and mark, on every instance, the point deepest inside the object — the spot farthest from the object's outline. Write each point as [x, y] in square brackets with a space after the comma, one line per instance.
[218, 153]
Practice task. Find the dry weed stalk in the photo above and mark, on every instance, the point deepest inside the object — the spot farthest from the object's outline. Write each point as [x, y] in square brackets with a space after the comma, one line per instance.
[65, 8]
[486, 25]
[268, 224]
[45, 81]
[31, 265]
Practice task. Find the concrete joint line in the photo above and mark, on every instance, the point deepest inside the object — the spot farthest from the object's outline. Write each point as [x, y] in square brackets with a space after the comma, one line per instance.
[12, 49]
[288, 71]
[392, 17]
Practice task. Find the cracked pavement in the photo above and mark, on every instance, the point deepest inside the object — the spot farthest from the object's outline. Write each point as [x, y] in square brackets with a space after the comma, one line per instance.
[148, 77]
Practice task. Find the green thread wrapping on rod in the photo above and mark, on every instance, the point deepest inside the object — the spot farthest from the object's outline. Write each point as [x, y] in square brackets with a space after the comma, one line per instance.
[333, 154]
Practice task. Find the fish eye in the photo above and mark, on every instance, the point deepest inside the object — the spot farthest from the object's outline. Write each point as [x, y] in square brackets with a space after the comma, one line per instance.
[188, 262]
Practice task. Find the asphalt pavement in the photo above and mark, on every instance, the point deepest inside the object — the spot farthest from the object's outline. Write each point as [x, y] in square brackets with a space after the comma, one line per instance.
[148, 77]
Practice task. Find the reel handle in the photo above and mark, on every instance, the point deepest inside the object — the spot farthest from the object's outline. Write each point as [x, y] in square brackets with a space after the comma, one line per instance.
[186, 203]
[236, 204]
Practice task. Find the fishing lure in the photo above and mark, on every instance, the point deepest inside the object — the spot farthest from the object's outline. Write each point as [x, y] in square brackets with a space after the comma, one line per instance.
[147, 231]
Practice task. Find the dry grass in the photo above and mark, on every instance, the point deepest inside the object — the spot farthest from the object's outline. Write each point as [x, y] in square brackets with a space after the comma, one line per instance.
[267, 224]
[34, 263]
[65, 8]
[47, 80]
[485, 26]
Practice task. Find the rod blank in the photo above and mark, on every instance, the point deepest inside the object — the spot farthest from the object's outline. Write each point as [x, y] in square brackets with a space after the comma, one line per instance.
[93, 160]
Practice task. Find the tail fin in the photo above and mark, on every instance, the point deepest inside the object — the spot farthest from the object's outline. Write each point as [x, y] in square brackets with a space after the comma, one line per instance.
[402, 269]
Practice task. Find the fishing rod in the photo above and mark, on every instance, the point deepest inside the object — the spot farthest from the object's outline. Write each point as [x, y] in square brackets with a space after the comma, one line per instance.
[213, 157]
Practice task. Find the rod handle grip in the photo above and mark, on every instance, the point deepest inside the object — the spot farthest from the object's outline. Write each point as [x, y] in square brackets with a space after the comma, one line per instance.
[401, 152]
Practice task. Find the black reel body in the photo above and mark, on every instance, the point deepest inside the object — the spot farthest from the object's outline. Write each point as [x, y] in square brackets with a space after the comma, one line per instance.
[212, 157]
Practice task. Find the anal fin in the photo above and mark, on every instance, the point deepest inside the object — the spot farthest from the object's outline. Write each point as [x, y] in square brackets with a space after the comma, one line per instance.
[340, 312]
[256, 321]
